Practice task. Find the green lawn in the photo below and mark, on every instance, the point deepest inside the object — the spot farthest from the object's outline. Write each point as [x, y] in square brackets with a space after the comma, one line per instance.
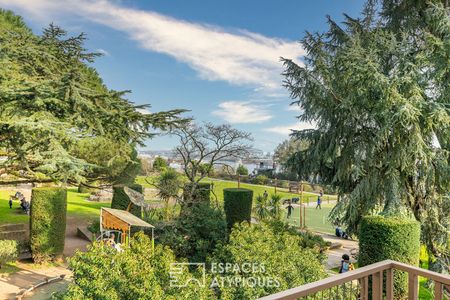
[219, 185]
[77, 205]
[316, 219]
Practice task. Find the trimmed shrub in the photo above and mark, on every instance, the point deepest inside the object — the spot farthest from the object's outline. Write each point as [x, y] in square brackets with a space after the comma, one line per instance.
[47, 223]
[85, 190]
[237, 205]
[121, 200]
[383, 238]
[201, 195]
[8, 251]
[260, 179]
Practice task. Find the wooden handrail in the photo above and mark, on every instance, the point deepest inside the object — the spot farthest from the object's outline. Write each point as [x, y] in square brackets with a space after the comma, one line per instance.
[362, 274]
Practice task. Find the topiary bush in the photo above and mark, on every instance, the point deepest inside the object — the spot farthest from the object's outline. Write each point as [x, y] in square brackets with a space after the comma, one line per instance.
[237, 205]
[121, 200]
[383, 238]
[8, 251]
[47, 223]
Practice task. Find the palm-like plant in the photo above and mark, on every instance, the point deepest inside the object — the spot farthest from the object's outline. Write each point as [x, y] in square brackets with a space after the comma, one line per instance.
[261, 209]
[275, 206]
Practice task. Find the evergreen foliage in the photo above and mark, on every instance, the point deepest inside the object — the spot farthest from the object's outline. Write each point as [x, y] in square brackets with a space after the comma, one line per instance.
[121, 200]
[195, 234]
[237, 205]
[159, 164]
[383, 238]
[47, 223]
[377, 88]
[242, 170]
[136, 273]
[277, 254]
[53, 104]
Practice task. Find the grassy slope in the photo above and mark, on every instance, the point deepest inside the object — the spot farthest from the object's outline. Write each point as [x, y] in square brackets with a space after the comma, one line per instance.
[77, 205]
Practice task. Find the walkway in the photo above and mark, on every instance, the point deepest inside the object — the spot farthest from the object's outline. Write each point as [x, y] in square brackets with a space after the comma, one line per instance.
[335, 255]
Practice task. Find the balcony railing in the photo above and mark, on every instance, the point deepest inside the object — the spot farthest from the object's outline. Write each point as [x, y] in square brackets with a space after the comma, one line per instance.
[355, 284]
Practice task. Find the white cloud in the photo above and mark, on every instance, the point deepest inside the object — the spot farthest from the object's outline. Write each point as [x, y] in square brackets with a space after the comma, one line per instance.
[102, 51]
[287, 129]
[239, 57]
[242, 112]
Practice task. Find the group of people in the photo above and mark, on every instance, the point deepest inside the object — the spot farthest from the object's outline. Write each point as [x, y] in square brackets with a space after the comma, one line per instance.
[290, 208]
[24, 204]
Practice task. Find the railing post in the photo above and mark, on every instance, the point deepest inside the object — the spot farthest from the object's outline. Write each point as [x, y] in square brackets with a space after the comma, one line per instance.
[365, 288]
[377, 286]
[438, 291]
[389, 284]
[413, 286]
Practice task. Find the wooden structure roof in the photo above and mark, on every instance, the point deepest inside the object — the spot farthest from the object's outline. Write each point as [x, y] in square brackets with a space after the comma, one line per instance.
[121, 219]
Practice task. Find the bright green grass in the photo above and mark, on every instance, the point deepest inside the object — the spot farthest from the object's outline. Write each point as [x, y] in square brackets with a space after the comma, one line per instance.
[220, 185]
[7, 215]
[77, 205]
[316, 219]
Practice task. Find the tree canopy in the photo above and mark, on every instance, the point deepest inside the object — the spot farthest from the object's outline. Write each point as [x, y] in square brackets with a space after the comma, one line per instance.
[54, 107]
[378, 89]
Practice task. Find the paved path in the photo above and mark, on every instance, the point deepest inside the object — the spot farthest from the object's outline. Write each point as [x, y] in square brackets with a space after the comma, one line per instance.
[335, 255]
[27, 276]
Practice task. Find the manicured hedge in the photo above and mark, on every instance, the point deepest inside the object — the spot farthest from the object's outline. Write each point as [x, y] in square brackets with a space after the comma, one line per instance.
[383, 238]
[202, 194]
[121, 200]
[47, 223]
[237, 205]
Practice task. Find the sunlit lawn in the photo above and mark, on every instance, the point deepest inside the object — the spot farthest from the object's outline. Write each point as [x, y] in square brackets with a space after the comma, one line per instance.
[220, 185]
[77, 205]
[316, 219]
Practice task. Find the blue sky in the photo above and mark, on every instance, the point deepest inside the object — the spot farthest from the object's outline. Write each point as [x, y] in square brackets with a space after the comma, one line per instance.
[219, 59]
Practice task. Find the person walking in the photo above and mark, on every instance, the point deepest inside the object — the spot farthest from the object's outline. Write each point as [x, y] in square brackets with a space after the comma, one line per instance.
[319, 200]
[10, 202]
[289, 208]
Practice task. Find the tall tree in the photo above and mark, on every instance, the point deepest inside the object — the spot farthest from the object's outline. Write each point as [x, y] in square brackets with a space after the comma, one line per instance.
[52, 102]
[378, 90]
[203, 147]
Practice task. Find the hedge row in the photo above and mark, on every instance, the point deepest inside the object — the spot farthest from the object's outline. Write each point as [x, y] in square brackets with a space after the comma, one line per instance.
[121, 200]
[47, 223]
[383, 238]
[237, 205]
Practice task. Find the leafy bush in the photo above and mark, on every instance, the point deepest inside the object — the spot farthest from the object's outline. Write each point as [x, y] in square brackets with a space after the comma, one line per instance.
[94, 227]
[195, 234]
[136, 273]
[47, 223]
[8, 251]
[202, 193]
[260, 179]
[159, 164]
[242, 170]
[121, 200]
[383, 238]
[279, 254]
[237, 205]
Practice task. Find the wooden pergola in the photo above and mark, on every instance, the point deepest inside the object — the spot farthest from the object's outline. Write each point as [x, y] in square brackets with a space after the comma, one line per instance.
[121, 220]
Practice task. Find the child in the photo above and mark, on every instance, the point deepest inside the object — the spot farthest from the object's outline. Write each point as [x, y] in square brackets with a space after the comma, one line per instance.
[319, 200]
[290, 208]
[346, 265]
[10, 202]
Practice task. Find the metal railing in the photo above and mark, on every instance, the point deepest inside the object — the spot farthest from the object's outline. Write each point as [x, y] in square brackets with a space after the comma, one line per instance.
[355, 284]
